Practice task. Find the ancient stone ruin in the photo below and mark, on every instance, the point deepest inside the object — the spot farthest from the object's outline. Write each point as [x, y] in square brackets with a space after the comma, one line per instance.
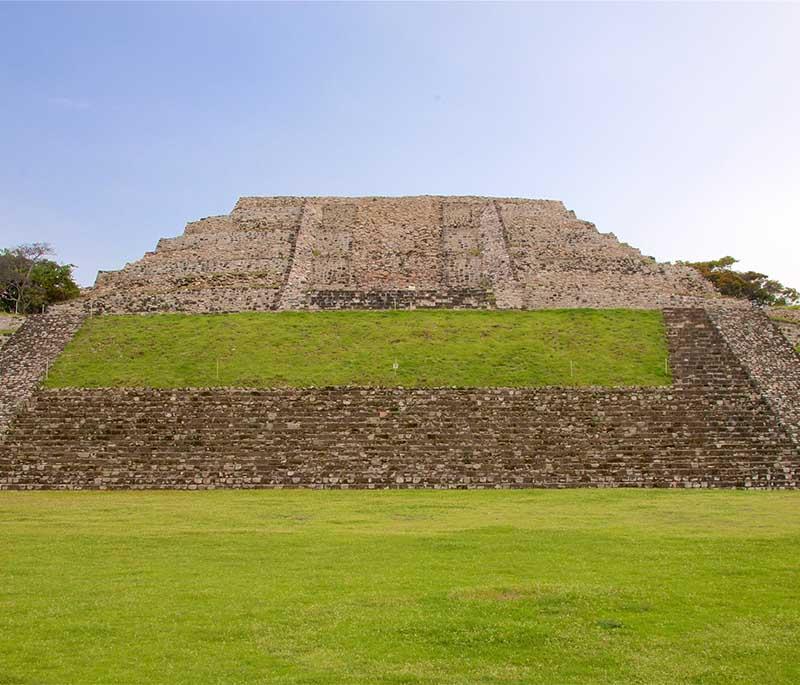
[730, 419]
[327, 252]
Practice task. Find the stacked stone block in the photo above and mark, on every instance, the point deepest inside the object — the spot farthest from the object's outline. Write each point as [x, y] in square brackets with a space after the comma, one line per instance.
[284, 252]
[767, 357]
[788, 322]
[561, 261]
[28, 355]
[229, 263]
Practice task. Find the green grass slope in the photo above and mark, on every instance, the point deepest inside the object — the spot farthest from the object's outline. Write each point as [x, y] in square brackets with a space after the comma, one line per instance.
[431, 348]
[306, 587]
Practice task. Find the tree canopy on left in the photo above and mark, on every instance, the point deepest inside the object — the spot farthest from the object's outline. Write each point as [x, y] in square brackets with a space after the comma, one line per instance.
[30, 280]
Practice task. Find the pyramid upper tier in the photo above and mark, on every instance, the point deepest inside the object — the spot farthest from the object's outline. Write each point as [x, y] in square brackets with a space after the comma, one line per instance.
[383, 252]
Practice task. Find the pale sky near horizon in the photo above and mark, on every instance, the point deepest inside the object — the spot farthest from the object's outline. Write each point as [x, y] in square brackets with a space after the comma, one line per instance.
[675, 126]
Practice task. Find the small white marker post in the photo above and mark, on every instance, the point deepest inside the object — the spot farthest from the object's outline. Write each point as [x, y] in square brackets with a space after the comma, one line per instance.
[395, 366]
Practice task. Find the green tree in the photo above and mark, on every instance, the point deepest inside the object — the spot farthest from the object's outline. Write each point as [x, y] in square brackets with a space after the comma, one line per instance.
[29, 281]
[50, 283]
[747, 285]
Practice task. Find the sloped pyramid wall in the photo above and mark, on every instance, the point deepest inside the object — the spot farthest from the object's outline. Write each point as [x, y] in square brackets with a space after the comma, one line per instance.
[380, 252]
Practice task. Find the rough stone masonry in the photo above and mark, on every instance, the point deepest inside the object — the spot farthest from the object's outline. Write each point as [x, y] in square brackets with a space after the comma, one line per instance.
[427, 251]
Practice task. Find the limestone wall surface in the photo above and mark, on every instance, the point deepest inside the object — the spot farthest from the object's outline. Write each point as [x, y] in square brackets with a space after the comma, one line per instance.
[289, 252]
[788, 322]
[768, 358]
[395, 438]
[26, 357]
[10, 322]
[220, 264]
[711, 428]
[791, 331]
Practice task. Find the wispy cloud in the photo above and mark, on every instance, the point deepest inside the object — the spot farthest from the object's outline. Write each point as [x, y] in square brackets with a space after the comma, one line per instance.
[68, 103]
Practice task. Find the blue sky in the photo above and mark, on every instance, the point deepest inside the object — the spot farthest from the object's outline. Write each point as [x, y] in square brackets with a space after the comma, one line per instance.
[677, 127]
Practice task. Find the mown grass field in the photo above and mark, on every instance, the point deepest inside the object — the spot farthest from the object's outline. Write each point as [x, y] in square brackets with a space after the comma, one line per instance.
[311, 587]
[431, 348]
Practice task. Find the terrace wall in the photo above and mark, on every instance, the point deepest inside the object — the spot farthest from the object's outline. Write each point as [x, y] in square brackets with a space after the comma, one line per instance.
[788, 322]
[769, 359]
[28, 354]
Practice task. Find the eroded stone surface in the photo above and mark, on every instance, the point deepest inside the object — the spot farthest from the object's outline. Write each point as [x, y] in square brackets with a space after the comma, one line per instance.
[788, 322]
[282, 252]
[10, 323]
[769, 359]
[26, 357]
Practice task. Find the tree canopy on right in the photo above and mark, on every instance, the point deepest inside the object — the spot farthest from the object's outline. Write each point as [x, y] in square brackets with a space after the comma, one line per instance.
[747, 285]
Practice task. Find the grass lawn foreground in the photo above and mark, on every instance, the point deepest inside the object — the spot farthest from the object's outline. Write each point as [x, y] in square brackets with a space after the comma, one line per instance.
[431, 348]
[419, 587]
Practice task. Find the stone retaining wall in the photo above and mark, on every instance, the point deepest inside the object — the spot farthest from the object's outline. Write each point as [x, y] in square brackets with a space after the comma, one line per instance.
[346, 437]
[10, 323]
[768, 358]
[788, 322]
[461, 298]
[26, 357]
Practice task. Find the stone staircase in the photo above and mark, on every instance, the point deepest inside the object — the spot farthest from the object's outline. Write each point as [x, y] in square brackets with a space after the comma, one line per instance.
[711, 428]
